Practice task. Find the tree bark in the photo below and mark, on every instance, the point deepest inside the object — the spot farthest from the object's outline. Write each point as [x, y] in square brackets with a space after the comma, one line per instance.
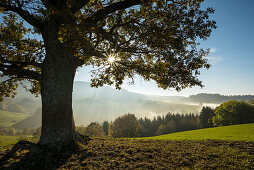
[58, 71]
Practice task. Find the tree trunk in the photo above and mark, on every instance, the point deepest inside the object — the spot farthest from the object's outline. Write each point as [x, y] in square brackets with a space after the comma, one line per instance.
[58, 128]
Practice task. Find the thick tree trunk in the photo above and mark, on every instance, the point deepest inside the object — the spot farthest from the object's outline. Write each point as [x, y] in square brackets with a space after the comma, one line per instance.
[58, 73]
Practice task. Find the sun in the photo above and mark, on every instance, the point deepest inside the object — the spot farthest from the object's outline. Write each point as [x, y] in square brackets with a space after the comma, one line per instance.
[111, 59]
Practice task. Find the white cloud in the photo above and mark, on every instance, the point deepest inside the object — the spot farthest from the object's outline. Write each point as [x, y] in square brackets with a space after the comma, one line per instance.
[212, 50]
[214, 59]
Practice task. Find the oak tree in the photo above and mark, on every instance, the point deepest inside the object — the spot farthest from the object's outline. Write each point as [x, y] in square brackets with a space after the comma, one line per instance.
[156, 39]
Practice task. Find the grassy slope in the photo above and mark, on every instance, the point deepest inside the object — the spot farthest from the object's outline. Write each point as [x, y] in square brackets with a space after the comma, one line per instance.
[243, 132]
[9, 118]
[8, 140]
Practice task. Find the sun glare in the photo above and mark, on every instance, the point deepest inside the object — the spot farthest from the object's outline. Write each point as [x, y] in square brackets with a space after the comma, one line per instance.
[111, 59]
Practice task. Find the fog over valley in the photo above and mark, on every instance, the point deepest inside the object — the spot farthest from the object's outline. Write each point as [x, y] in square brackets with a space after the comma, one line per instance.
[106, 103]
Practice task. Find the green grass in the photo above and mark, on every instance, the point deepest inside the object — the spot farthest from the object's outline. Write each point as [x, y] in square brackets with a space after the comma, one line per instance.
[8, 140]
[243, 132]
[7, 119]
[134, 154]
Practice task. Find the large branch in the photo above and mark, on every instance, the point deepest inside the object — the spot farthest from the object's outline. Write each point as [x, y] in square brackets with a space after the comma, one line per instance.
[31, 19]
[20, 72]
[104, 12]
[77, 5]
[21, 63]
[73, 5]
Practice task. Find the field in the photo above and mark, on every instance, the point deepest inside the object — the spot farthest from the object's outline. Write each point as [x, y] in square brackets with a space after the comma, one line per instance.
[7, 119]
[134, 154]
[184, 150]
[244, 132]
[8, 140]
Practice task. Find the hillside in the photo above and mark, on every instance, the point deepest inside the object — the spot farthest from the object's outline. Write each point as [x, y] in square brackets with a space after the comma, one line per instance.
[242, 132]
[106, 103]
[32, 122]
[99, 104]
[217, 98]
[8, 119]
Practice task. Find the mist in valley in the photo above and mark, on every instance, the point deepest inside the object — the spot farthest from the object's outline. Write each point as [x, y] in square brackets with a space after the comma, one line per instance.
[103, 103]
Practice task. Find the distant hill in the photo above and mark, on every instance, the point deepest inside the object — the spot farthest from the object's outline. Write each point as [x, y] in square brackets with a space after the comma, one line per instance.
[31, 122]
[99, 104]
[20, 105]
[217, 98]
[7, 119]
[106, 103]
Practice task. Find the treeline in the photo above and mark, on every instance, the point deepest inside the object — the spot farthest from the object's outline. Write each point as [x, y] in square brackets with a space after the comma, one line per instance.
[228, 113]
[129, 126]
[14, 132]
[169, 123]
[217, 98]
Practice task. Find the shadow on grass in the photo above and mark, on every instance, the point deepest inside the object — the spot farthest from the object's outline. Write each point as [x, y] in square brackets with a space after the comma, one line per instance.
[28, 155]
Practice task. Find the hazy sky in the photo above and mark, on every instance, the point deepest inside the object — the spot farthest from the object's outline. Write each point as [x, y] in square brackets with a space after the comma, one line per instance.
[232, 58]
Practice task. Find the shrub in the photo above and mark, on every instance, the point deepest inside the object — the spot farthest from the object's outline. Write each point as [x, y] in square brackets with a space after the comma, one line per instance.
[125, 126]
[94, 130]
[233, 112]
[206, 116]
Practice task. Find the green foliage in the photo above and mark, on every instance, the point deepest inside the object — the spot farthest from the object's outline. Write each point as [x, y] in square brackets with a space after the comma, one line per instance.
[206, 116]
[156, 40]
[233, 112]
[19, 55]
[94, 130]
[105, 127]
[243, 132]
[169, 123]
[125, 126]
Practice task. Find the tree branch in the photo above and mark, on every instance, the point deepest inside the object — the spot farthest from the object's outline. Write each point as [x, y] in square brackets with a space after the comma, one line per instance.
[31, 19]
[77, 5]
[14, 70]
[21, 63]
[104, 12]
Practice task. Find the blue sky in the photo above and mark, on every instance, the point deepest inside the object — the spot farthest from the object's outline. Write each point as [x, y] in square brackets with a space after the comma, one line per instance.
[232, 58]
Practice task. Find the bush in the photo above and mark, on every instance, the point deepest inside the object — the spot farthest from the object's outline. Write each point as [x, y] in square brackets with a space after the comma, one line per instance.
[94, 130]
[233, 112]
[206, 116]
[125, 126]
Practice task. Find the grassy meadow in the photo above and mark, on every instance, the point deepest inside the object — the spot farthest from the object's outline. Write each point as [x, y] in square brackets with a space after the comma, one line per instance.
[228, 147]
[8, 140]
[7, 119]
[243, 132]
[113, 153]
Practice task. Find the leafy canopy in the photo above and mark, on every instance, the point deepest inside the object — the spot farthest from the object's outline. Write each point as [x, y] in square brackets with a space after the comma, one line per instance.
[156, 39]
[233, 112]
